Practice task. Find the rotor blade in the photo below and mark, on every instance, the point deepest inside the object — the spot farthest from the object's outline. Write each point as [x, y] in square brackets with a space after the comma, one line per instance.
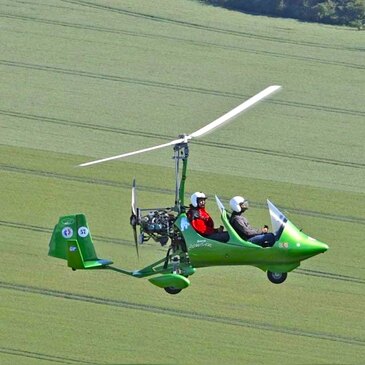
[200, 132]
[234, 112]
[133, 153]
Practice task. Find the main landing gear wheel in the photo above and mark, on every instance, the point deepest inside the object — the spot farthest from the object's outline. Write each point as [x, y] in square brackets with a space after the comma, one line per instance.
[172, 290]
[277, 277]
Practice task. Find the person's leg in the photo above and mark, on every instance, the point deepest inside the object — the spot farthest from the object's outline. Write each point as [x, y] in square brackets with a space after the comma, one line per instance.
[219, 236]
[264, 240]
[257, 240]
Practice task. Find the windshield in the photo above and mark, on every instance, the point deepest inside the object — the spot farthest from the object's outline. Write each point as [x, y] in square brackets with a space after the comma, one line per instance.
[220, 205]
[278, 219]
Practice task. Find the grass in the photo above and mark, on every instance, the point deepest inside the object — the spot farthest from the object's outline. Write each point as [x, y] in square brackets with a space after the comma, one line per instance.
[87, 79]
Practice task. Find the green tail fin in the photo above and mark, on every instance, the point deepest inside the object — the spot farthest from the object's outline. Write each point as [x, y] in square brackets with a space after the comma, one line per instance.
[71, 241]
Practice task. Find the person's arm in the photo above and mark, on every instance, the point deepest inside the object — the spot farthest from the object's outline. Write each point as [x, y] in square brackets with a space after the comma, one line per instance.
[244, 228]
[265, 229]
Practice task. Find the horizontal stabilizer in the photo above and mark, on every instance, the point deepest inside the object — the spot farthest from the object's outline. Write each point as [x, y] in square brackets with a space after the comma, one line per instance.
[170, 280]
[76, 261]
[96, 264]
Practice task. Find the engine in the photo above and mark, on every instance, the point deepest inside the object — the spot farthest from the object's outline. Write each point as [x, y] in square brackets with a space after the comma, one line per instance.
[158, 224]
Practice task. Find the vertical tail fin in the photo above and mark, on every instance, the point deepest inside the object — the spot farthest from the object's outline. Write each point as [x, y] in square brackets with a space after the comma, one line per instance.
[71, 240]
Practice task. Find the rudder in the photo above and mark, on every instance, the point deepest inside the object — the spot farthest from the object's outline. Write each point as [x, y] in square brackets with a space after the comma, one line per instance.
[73, 231]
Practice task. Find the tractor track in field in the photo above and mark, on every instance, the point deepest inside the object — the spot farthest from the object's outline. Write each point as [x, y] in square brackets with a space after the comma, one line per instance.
[104, 182]
[33, 228]
[129, 243]
[45, 357]
[192, 315]
[208, 28]
[151, 135]
[328, 275]
[164, 85]
[179, 39]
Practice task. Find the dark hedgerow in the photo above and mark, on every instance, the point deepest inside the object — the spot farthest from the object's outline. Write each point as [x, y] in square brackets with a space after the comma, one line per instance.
[336, 12]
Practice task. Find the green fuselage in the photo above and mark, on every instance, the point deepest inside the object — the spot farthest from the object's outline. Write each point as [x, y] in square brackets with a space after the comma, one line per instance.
[291, 247]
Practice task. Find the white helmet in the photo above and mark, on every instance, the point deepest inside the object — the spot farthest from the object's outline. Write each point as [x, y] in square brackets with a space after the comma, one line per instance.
[194, 198]
[236, 202]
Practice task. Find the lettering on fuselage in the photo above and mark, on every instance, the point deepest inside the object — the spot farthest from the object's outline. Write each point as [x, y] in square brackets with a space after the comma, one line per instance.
[200, 243]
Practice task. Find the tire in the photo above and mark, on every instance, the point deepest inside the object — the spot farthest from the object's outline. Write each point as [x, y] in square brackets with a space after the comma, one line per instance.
[172, 290]
[277, 277]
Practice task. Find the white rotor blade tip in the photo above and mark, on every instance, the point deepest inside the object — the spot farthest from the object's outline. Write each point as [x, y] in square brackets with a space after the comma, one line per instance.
[132, 153]
[236, 111]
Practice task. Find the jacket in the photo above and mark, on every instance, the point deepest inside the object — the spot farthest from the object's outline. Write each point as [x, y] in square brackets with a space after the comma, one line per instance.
[242, 227]
[201, 221]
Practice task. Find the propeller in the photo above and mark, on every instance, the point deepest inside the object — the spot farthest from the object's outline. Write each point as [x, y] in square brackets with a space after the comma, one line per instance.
[202, 131]
[134, 217]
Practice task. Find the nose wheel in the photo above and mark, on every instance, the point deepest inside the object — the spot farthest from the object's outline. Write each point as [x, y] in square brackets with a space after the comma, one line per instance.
[277, 277]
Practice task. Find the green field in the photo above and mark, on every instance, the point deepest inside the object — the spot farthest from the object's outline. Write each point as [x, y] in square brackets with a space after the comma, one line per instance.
[82, 80]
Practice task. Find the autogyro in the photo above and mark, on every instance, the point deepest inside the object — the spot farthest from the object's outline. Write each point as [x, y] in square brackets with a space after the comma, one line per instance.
[188, 250]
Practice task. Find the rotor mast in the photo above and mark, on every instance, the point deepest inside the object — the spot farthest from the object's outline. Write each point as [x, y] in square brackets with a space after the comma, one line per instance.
[181, 153]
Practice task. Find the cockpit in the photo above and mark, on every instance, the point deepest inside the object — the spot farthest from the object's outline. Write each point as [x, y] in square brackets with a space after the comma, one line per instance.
[278, 219]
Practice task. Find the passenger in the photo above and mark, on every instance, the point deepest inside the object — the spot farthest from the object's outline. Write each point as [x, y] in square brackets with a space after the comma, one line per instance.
[201, 220]
[258, 236]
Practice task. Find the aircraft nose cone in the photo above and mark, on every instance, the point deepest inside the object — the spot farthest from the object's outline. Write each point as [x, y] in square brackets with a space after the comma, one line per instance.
[312, 247]
[320, 247]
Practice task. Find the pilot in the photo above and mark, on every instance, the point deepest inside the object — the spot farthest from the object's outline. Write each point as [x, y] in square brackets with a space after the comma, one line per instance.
[240, 223]
[202, 221]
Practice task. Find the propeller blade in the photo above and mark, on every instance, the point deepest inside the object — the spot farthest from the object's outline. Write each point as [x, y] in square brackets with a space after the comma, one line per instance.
[132, 153]
[134, 218]
[133, 201]
[135, 240]
[234, 112]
